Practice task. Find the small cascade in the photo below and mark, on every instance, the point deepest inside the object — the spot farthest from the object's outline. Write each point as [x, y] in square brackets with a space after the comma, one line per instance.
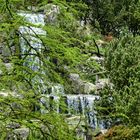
[83, 104]
[73, 105]
[35, 18]
[32, 45]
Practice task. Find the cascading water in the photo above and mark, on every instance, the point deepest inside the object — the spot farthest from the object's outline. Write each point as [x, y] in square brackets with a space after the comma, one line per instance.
[74, 104]
[32, 44]
[83, 104]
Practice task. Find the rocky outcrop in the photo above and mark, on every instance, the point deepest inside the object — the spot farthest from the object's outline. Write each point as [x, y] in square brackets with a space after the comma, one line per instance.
[80, 86]
[18, 134]
[5, 67]
[84, 87]
[101, 83]
[51, 12]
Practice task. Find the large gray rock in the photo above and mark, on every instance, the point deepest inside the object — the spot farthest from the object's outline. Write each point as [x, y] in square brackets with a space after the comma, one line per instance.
[89, 87]
[18, 134]
[84, 87]
[5, 67]
[80, 86]
[51, 12]
[100, 85]
[13, 125]
[74, 77]
[6, 51]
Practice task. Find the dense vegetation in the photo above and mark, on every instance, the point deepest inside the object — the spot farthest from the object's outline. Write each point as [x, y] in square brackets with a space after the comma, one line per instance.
[66, 46]
[121, 104]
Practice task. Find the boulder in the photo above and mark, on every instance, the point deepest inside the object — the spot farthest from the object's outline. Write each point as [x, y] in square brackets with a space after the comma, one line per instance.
[13, 125]
[101, 83]
[89, 87]
[51, 12]
[74, 76]
[5, 67]
[18, 134]
[80, 86]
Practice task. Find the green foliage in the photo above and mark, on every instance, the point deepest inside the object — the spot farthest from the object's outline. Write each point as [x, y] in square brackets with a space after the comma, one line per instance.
[122, 61]
[21, 110]
[121, 104]
[21, 86]
[112, 16]
[66, 47]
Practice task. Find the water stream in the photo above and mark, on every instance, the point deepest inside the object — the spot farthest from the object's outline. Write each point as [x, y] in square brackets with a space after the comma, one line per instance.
[33, 44]
[73, 104]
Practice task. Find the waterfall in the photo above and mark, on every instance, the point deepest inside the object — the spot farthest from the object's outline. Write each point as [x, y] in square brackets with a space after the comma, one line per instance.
[56, 100]
[83, 104]
[33, 44]
[73, 105]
